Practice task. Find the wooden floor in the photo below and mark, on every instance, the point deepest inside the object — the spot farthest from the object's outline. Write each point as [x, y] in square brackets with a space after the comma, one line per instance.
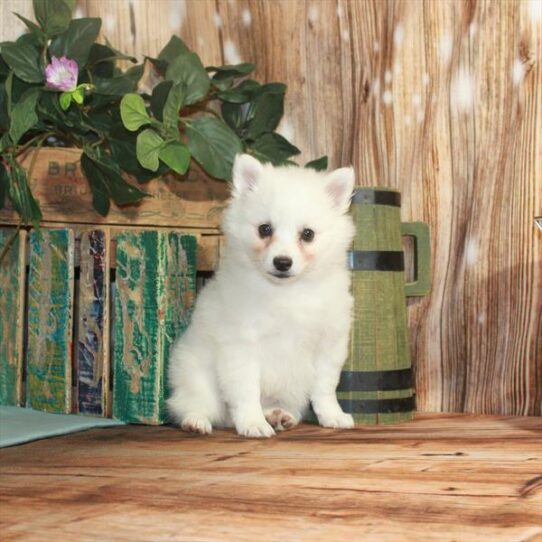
[447, 477]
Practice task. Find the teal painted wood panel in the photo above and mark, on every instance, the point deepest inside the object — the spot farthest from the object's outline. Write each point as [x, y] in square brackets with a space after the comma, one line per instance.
[50, 308]
[12, 285]
[154, 293]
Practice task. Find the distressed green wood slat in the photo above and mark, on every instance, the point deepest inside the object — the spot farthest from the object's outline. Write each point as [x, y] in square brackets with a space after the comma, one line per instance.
[12, 286]
[50, 313]
[155, 285]
[93, 328]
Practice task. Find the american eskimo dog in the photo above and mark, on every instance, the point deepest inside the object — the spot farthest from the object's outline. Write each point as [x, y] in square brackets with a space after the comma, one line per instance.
[269, 333]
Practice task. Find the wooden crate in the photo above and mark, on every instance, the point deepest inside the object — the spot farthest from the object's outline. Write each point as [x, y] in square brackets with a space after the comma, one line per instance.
[105, 295]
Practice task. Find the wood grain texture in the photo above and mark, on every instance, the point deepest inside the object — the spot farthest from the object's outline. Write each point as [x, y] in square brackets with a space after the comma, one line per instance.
[439, 99]
[154, 292]
[50, 313]
[94, 321]
[436, 479]
[12, 287]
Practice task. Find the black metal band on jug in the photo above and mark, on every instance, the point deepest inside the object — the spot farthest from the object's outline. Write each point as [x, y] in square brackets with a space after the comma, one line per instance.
[376, 260]
[376, 197]
[398, 379]
[378, 406]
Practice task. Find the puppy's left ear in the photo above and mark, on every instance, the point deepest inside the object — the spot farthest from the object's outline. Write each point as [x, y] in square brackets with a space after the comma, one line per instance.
[339, 186]
[246, 172]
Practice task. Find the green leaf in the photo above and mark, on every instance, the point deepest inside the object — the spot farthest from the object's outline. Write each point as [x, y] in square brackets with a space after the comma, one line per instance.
[266, 110]
[120, 85]
[105, 53]
[214, 145]
[274, 148]
[65, 99]
[106, 181]
[176, 156]
[24, 60]
[20, 195]
[159, 96]
[133, 112]
[174, 102]
[148, 147]
[123, 151]
[187, 69]
[229, 70]
[320, 164]
[76, 42]
[233, 96]
[78, 95]
[175, 47]
[33, 27]
[233, 115]
[4, 185]
[23, 115]
[53, 15]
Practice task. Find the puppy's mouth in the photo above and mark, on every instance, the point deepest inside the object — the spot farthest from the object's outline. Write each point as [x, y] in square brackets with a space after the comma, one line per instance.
[281, 275]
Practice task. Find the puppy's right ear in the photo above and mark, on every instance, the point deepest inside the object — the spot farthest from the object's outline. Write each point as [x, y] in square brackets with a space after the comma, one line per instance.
[246, 171]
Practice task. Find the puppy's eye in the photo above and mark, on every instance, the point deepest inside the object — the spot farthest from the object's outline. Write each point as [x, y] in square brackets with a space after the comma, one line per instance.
[307, 235]
[265, 230]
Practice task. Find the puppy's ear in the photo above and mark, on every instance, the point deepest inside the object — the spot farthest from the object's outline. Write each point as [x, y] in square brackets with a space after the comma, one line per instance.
[246, 171]
[339, 186]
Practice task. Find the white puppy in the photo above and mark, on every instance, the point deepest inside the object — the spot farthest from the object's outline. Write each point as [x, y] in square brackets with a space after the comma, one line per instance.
[270, 332]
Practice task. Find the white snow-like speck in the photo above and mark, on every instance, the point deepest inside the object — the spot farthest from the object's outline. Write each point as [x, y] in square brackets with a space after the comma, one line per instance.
[78, 13]
[397, 69]
[398, 35]
[462, 90]
[518, 72]
[339, 11]
[345, 35]
[387, 76]
[109, 23]
[482, 318]
[387, 97]
[246, 17]
[471, 252]
[535, 9]
[416, 100]
[286, 129]
[231, 55]
[426, 79]
[420, 116]
[217, 19]
[314, 14]
[408, 120]
[376, 87]
[177, 13]
[446, 47]
[473, 27]
[376, 46]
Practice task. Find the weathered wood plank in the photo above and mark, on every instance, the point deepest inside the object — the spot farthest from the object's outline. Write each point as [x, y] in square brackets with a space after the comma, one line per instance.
[50, 306]
[155, 286]
[94, 321]
[12, 288]
[65, 197]
[438, 478]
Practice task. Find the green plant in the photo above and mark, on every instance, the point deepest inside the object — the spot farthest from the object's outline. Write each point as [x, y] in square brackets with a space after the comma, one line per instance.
[60, 87]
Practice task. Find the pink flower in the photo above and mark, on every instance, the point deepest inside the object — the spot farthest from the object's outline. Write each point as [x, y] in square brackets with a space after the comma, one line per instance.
[61, 74]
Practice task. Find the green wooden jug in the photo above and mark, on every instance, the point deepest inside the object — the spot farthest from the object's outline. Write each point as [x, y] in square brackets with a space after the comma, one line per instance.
[376, 384]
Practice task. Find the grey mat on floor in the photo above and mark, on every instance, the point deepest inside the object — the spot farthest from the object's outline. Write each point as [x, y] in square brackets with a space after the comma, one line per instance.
[19, 425]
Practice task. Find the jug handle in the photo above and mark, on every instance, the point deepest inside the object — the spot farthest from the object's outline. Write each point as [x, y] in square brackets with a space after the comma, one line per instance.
[422, 260]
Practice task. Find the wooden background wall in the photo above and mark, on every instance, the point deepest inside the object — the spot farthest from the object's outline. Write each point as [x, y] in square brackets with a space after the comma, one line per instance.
[439, 98]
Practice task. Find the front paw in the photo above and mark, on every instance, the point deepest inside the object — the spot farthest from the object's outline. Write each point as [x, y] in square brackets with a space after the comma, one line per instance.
[337, 421]
[254, 428]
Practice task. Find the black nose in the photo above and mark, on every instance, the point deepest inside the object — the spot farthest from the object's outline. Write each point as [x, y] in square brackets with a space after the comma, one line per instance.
[282, 263]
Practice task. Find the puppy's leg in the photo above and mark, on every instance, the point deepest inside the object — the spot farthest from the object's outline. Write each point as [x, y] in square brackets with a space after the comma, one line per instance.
[329, 362]
[239, 380]
[280, 419]
[194, 404]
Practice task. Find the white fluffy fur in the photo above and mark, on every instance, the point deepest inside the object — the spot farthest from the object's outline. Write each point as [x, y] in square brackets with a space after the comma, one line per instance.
[259, 348]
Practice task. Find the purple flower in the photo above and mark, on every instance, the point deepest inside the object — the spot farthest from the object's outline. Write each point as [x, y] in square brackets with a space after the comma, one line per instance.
[61, 74]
